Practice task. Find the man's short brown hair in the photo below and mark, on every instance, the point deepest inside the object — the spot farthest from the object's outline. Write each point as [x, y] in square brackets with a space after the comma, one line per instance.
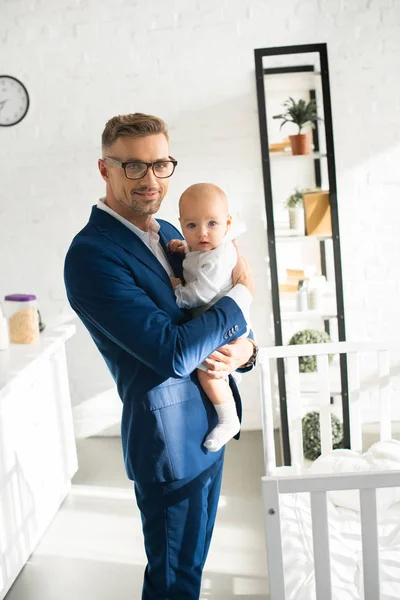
[133, 125]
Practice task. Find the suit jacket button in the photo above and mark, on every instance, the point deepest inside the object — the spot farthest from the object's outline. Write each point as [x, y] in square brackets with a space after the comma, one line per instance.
[236, 327]
[225, 336]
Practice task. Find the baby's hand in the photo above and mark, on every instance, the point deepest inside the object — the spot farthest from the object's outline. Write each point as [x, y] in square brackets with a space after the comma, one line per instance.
[176, 246]
[175, 281]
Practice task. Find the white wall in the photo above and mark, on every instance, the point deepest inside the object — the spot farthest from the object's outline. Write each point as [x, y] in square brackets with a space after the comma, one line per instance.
[192, 63]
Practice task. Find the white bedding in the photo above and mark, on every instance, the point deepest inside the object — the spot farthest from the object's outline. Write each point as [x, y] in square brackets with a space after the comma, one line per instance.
[344, 529]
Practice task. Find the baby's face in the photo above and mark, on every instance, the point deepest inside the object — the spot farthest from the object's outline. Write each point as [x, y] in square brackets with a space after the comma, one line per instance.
[204, 222]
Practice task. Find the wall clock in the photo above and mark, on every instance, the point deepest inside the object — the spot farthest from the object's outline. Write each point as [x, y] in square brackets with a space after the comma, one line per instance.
[14, 101]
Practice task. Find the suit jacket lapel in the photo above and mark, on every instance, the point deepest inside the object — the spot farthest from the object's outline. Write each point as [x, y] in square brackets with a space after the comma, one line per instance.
[127, 239]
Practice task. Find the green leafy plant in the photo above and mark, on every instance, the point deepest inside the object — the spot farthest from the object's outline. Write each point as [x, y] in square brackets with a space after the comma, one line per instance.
[300, 113]
[295, 199]
[312, 434]
[308, 364]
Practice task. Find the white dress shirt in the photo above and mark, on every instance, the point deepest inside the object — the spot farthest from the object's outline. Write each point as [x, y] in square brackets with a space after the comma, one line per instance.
[239, 293]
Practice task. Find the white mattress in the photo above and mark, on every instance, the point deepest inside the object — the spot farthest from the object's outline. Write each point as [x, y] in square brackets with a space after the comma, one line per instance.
[344, 529]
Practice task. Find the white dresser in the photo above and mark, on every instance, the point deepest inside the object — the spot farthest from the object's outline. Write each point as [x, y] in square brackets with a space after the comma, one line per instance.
[37, 445]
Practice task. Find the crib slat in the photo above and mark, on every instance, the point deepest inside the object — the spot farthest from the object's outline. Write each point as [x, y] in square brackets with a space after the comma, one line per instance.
[294, 413]
[267, 417]
[322, 561]
[384, 392]
[353, 369]
[369, 531]
[339, 481]
[272, 521]
[324, 403]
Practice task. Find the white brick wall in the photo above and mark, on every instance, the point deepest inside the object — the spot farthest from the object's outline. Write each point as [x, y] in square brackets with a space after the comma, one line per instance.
[192, 63]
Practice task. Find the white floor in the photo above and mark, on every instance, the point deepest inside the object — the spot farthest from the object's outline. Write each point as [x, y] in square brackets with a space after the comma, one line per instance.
[93, 550]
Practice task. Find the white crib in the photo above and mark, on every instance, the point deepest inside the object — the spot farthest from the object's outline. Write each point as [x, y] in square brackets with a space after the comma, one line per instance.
[281, 481]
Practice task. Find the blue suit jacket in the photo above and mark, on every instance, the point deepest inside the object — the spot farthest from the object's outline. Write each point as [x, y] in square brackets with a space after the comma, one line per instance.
[124, 297]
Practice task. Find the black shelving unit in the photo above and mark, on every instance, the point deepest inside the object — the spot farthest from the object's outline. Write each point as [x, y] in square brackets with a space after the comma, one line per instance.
[261, 71]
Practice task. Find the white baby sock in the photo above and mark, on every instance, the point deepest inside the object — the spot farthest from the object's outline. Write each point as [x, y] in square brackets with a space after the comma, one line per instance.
[228, 426]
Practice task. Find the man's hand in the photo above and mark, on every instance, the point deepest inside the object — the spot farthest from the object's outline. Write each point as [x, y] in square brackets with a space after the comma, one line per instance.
[242, 273]
[176, 246]
[228, 358]
[175, 281]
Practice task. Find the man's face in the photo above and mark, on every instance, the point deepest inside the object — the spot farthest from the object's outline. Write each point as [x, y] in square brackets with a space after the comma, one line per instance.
[135, 197]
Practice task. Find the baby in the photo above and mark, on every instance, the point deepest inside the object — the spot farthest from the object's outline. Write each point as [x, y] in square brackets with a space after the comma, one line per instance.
[210, 257]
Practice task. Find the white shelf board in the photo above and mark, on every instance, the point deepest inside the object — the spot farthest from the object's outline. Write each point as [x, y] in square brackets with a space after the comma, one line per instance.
[313, 155]
[305, 315]
[292, 73]
[290, 235]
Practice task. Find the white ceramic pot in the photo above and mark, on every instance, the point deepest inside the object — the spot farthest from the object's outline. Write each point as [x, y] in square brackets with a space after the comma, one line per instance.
[296, 220]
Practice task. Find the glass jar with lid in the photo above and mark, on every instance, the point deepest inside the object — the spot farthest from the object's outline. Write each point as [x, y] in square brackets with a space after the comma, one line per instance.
[22, 315]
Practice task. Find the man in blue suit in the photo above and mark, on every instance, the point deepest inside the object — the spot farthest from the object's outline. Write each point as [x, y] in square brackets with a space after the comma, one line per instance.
[117, 276]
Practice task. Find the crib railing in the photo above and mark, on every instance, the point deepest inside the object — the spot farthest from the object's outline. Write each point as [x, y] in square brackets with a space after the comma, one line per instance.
[291, 355]
[318, 486]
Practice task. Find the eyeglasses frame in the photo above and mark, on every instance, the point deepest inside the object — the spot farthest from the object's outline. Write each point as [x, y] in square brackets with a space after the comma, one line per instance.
[123, 165]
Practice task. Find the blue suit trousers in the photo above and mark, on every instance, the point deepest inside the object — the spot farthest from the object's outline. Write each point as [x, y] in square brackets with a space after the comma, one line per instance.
[178, 520]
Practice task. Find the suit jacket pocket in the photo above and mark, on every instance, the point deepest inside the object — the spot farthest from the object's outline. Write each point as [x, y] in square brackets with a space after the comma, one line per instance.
[167, 438]
[184, 426]
[170, 393]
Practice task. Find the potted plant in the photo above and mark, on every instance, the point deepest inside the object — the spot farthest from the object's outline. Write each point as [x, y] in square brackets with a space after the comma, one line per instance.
[295, 206]
[312, 434]
[308, 364]
[300, 113]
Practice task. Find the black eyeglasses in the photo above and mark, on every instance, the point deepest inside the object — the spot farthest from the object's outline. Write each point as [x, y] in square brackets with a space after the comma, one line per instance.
[138, 169]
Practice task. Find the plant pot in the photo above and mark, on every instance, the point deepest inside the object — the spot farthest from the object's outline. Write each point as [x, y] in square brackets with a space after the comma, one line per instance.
[318, 213]
[301, 143]
[296, 219]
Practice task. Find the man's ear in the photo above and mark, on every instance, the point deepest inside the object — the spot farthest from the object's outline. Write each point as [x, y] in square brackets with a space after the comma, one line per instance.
[103, 169]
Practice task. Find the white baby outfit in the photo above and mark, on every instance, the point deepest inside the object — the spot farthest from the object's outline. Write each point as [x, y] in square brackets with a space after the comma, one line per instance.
[208, 277]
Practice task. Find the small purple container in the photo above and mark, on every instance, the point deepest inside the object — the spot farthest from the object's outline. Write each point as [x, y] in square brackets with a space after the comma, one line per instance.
[20, 297]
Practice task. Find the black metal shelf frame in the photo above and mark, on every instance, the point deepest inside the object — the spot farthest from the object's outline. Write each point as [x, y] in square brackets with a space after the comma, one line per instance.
[259, 54]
